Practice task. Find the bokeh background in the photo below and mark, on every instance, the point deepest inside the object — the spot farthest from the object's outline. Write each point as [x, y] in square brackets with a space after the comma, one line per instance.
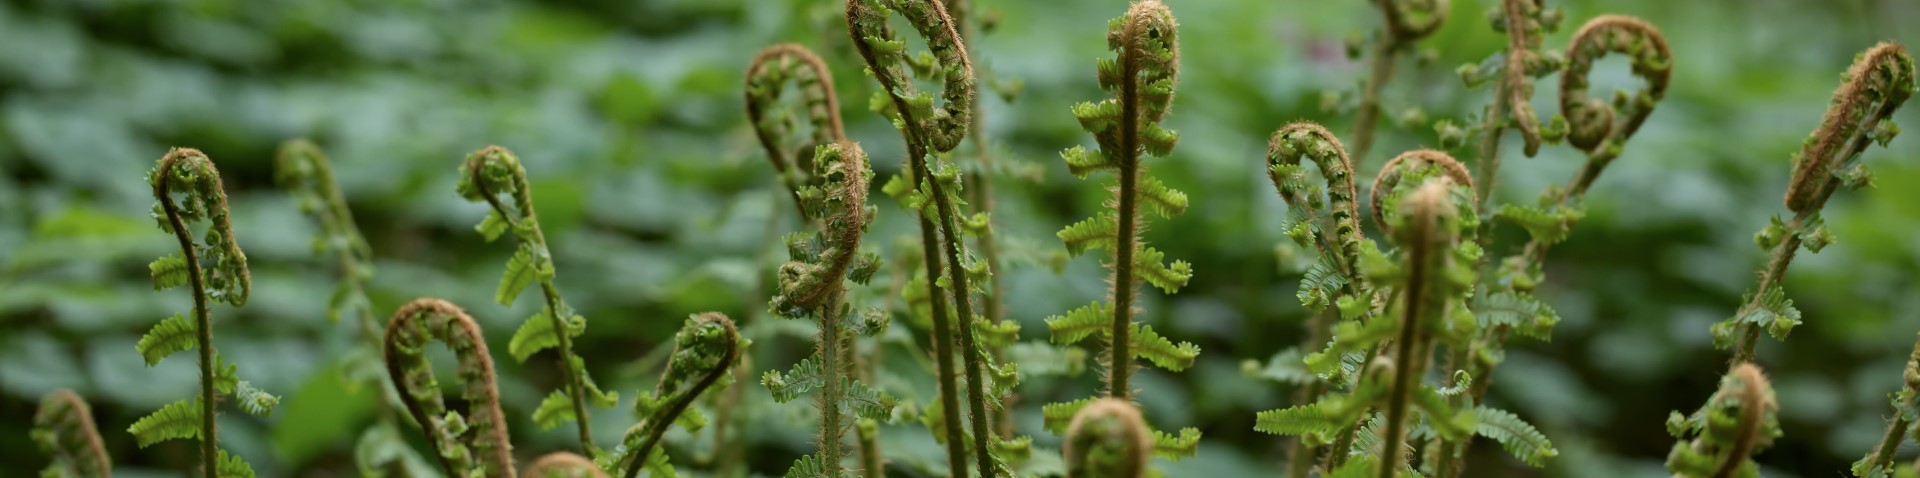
[658, 203]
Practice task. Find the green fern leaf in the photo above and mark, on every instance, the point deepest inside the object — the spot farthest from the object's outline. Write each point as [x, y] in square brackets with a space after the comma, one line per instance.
[805, 377]
[1176, 447]
[1161, 351]
[1056, 416]
[808, 467]
[998, 335]
[554, 410]
[536, 334]
[1320, 285]
[1543, 225]
[232, 466]
[1169, 278]
[1514, 434]
[1097, 232]
[866, 402]
[172, 335]
[1165, 201]
[1081, 162]
[169, 272]
[1519, 311]
[1080, 323]
[1304, 419]
[179, 419]
[1355, 467]
[519, 274]
[493, 226]
[253, 400]
[1286, 367]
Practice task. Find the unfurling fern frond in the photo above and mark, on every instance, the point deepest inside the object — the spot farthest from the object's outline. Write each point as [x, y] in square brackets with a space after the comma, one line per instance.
[1107, 439]
[1906, 412]
[705, 349]
[767, 78]
[1879, 82]
[63, 429]
[563, 465]
[473, 443]
[1406, 22]
[187, 188]
[1594, 125]
[494, 176]
[1718, 441]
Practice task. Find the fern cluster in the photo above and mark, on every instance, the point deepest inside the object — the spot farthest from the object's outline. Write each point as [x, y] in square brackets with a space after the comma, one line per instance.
[188, 190]
[494, 175]
[1739, 420]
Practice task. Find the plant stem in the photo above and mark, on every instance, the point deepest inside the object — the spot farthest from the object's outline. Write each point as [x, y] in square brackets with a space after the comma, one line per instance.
[832, 392]
[203, 316]
[1368, 117]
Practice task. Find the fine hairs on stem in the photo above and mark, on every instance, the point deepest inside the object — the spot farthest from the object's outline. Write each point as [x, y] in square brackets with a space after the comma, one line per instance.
[935, 198]
[814, 286]
[63, 429]
[980, 225]
[1141, 78]
[1524, 22]
[485, 176]
[216, 270]
[1427, 240]
[1878, 83]
[1405, 22]
[1107, 439]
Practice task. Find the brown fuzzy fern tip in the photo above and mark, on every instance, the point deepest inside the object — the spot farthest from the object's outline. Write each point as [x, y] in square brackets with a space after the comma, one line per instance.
[460, 440]
[563, 465]
[1880, 80]
[1389, 177]
[1107, 439]
[63, 427]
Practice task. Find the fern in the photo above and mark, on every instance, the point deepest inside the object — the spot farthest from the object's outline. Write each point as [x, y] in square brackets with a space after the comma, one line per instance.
[705, 349]
[767, 78]
[563, 465]
[469, 443]
[1738, 421]
[1516, 435]
[1107, 439]
[63, 428]
[188, 190]
[1405, 23]
[487, 176]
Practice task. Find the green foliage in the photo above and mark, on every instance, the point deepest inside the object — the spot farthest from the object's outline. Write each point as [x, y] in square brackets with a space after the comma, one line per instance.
[63, 429]
[1718, 440]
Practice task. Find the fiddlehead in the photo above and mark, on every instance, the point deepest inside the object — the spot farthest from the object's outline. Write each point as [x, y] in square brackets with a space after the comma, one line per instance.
[1395, 171]
[1878, 83]
[473, 443]
[767, 78]
[813, 285]
[929, 130]
[1906, 412]
[63, 428]
[1141, 77]
[1405, 22]
[216, 270]
[1107, 439]
[1595, 126]
[486, 176]
[704, 350]
[563, 465]
[1513, 72]
[1740, 420]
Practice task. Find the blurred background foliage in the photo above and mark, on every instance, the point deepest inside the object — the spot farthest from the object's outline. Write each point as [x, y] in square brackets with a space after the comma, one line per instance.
[659, 204]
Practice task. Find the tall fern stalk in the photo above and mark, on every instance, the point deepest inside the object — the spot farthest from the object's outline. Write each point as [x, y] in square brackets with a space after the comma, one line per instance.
[1406, 22]
[929, 131]
[485, 175]
[191, 175]
[981, 196]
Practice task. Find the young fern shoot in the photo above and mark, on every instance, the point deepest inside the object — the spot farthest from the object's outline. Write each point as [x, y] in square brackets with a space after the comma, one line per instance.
[1512, 72]
[1127, 127]
[63, 429]
[1740, 420]
[216, 270]
[1906, 411]
[488, 175]
[1405, 22]
[813, 286]
[767, 78]
[1107, 439]
[704, 350]
[931, 188]
[1879, 82]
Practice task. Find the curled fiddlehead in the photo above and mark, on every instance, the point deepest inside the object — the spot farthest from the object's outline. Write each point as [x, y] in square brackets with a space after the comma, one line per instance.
[1906, 412]
[486, 175]
[813, 285]
[1878, 83]
[1512, 71]
[1107, 439]
[935, 197]
[1738, 421]
[704, 350]
[216, 270]
[1390, 177]
[1595, 126]
[563, 465]
[63, 428]
[767, 78]
[473, 443]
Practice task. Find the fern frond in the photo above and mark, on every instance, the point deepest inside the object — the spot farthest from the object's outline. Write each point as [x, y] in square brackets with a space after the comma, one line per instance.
[168, 272]
[1168, 277]
[1546, 226]
[63, 428]
[1164, 201]
[803, 378]
[519, 274]
[1080, 323]
[232, 466]
[176, 420]
[537, 334]
[485, 451]
[175, 334]
[1108, 438]
[1097, 232]
[1520, 311]
[1175, 447]
[1161, 351]
[1516, 435]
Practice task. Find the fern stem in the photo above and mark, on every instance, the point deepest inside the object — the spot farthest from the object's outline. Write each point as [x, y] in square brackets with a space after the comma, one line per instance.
[1426, 257]
[1367, 119]
[872, 464]
[657, 424]
[202, 313]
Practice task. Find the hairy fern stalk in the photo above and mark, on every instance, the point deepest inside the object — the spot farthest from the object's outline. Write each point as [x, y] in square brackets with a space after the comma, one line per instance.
[931, 188]
[188, 190]
[63, 429]
[813, 286]
[487, 176]
[1141, 77]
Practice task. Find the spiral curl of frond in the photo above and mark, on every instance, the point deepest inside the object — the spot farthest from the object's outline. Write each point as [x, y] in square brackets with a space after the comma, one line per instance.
[303, 169]
[188, 172]
[766, 80]
[1107, 439]
[1738, 421]
[63, 428]
[1305, 139]
[563, 465]
[1390, 176]
[1408, 20]
[1594, 122]
[842, 202]
[705, 349]
[944, 127]
[1879, 82]
[467, 444]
